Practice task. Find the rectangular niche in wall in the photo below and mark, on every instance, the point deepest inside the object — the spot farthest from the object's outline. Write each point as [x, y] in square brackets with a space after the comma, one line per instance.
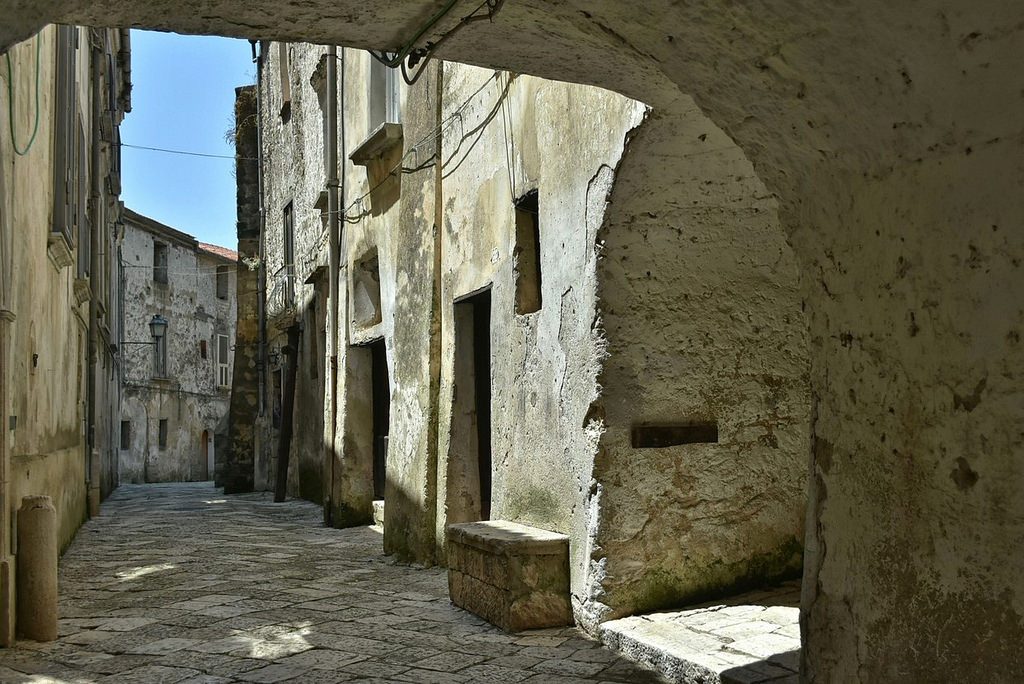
[527, 254]
[366, 290]
[469, 459]
[661, 435]
[222, 281]
[160, 258]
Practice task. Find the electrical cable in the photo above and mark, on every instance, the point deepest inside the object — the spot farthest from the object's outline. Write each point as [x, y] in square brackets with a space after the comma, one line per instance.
[427, 52]
[187, 153]
[10, 102]
[429, 137]
[400, 56]
[204, 271]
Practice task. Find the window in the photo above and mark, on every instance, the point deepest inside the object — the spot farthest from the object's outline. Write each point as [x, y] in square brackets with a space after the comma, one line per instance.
[126, 435]
[222, 282]
[64, 201]
[202, 349]
[163, 433]
[223, 376]
[160, 253]
[284, 66]
[527, 255]
[384, 95]
[288, 246]
[82, 234]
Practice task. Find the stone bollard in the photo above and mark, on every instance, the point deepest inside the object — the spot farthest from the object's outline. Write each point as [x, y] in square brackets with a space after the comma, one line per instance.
[37, 569]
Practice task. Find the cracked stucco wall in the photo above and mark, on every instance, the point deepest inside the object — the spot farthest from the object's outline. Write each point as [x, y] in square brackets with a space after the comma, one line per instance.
[700, 305]
[564, 141]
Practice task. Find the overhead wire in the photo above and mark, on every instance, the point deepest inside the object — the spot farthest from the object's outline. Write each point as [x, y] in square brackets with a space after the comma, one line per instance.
[429, 138]
[209, 270]
[10, 102]
[188, 153]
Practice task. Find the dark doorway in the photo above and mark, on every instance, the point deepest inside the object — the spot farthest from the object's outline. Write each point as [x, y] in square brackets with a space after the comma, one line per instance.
[204, 456]
[482, 366]
[469, 467]
[381, 391]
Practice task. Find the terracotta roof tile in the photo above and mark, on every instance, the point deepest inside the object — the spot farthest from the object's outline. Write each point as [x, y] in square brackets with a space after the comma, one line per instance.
[219, 251]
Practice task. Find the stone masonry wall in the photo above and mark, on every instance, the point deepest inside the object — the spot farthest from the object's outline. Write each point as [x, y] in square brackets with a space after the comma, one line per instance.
[238, 465]
[188, 397]
[293, 139]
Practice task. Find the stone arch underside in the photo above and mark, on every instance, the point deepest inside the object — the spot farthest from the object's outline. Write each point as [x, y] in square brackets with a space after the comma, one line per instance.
[891, 136]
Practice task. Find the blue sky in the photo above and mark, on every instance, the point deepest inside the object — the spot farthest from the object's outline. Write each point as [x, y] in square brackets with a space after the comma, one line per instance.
[183, 96]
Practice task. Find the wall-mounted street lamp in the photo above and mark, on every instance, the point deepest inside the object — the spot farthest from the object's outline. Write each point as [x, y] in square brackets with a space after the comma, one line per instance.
[157, 329]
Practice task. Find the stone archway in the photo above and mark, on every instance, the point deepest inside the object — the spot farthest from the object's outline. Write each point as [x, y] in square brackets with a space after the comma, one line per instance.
[890, 135]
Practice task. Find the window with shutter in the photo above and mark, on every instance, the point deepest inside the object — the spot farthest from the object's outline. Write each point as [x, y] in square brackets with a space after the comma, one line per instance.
[64, 136]
[223, 376]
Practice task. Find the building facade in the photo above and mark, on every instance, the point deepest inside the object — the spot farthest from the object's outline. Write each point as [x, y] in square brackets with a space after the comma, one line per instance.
[179, 333]
[60, 227]
[494, 358]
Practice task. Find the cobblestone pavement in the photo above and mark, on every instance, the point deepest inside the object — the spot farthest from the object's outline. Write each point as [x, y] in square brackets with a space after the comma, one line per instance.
[746, 639]
[179, 583]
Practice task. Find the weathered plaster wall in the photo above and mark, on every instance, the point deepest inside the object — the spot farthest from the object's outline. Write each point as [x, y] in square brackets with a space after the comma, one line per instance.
[47, 369]
[859, 119]
[502, 138]
[189, 397]
[46, 399]
[928, 429]
[563, 141]
[700, 307]
[293, 149]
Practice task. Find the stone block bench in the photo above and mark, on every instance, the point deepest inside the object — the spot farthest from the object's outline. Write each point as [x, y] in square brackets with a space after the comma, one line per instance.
[512, 575]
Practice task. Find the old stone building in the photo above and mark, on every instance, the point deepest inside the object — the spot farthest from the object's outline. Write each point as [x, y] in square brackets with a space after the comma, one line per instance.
[488, 268]
[179, 330]
[887, 138]
[60, 227]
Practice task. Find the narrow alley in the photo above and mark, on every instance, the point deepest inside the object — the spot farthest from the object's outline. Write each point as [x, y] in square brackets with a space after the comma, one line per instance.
[178, 583]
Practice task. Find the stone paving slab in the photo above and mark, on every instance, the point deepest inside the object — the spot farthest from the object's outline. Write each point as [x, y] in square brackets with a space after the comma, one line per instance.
[180, 583]
[748, 639]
